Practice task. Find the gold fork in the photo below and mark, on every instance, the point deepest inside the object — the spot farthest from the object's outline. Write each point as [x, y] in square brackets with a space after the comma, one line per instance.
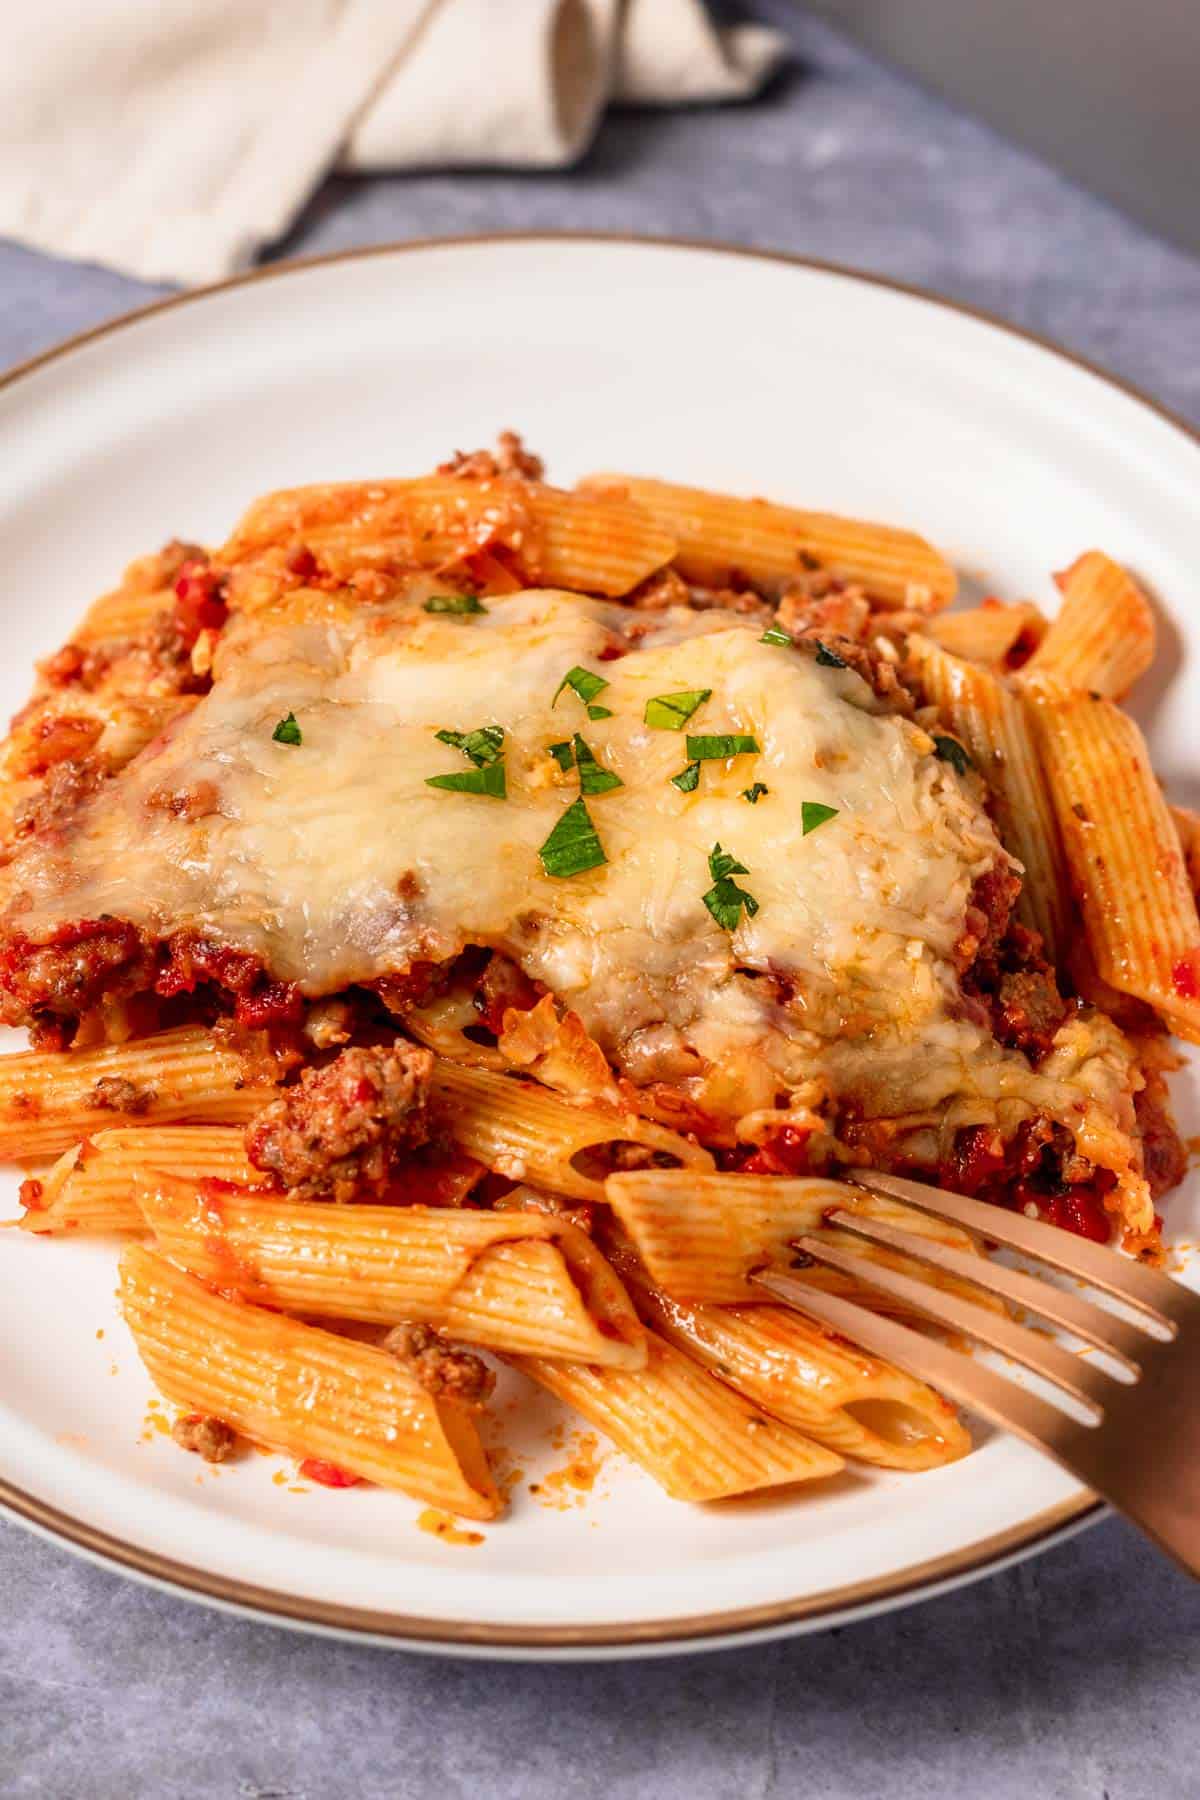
[1140, 1446]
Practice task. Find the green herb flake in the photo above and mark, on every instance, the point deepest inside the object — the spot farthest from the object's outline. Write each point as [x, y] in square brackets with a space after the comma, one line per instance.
[671, 712]
[721, 863]
[812, 814]
[725, 899]
[287, 731]
[584, 684]
[489, 780]
[948, 749]
[593, 777]
[573, 845]
[563, 755]
[829, 659]
[687, 780]
[453, 603]
[482, 747]
[775, 634]
[716, 749]
[599, 712]
[754, 794]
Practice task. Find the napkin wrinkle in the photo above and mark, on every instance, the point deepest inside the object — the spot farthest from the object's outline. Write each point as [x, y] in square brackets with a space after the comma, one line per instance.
[173, 139]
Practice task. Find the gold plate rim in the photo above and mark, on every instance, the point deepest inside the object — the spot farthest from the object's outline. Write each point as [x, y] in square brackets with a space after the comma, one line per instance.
[721, 1629]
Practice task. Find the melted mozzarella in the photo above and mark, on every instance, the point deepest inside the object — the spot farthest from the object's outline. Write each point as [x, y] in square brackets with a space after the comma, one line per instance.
[335, 863]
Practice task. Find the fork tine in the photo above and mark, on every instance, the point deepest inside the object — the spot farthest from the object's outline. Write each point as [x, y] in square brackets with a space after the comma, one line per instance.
[966, 1381]
[1141, 1288]
[1093, 1323]
[1086, 1381]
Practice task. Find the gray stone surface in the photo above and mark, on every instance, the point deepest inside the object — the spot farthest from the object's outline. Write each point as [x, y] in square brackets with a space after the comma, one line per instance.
[1074, 1678]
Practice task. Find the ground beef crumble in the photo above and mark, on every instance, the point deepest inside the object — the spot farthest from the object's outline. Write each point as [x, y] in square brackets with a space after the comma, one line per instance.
[76, 665]
[443, 1369]
[48, 812]
[659, 591]
[1163, 1154]
[1009, 985]
[501, 986]
[510, 457]
[339, 1132]
[64, 976]
[205, 1436]
[986, 923]
[116, 1093]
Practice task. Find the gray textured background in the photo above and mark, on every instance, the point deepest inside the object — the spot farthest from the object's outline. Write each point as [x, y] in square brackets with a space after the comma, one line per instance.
[1073, 1678]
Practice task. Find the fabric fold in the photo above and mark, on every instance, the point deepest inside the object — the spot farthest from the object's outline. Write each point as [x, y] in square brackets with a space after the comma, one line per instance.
[173, 141]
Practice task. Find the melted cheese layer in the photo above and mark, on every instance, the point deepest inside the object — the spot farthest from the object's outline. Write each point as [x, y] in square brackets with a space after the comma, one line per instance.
[335, 863]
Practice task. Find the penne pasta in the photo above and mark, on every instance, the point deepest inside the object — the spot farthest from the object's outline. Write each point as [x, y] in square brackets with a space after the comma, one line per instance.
[524, 1282]
[1125, 857]
[1187, 824]
[805, 1376]
[125, 613]
[147, 587]
[51, 1099]
[303, 1391]
[991, 634]
[720, 538]
[695, 1436]
[526, 1133]
[91, 1187]
[994, 725]
[1103, 637]
[588, 542]
[702, 1236]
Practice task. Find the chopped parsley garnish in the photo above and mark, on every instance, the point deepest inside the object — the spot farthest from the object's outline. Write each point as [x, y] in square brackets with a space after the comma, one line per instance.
[754, 794]
[775, 634]
[671, 712]
[482, 747]
[573, 845]
[716, 749]
[828, 658]
[563, 755]
[813, 813]
[489, 780]
[593, 777]
[725, 899]
[586, 685]
[287, 731]
[721, 864]
[453, 603]
[712, 749]
[948, 749]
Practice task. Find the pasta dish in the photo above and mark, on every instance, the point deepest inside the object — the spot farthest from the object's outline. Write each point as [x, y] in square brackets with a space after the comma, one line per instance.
[465, 915]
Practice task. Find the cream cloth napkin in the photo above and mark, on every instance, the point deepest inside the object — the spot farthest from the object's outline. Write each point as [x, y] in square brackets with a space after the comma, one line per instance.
[172, 139]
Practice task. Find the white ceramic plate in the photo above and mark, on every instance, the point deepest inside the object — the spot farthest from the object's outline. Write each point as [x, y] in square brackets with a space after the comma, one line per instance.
[750, 373]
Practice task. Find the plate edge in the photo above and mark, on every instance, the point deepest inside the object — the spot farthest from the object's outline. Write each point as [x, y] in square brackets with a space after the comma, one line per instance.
[693, 1631]
[725, 1628]
[715, 246]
